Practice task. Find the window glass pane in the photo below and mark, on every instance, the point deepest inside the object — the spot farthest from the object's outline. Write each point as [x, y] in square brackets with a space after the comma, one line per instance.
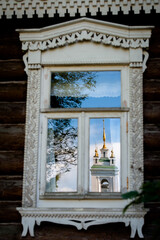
[86, 89]
[104, 155]
[62, 150]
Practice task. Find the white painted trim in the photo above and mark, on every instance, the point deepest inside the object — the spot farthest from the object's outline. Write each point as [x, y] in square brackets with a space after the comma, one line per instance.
[85, 29]
[30, 7]
[82, 219]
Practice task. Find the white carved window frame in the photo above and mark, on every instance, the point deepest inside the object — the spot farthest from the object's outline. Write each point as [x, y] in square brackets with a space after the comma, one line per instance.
[83, 116]
[83, 43]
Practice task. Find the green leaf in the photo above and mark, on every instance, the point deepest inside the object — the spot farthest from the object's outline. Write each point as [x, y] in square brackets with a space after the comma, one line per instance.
[130, 195]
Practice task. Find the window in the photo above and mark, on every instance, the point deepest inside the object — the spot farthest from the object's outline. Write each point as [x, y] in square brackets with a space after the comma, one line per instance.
[81, 123]
[84, 126]
[84, 132]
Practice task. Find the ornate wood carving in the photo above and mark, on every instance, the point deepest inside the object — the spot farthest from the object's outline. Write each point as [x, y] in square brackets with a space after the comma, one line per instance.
[31, 139]
[40, 7]
[82, 219]
[85, 35]
[136, 125]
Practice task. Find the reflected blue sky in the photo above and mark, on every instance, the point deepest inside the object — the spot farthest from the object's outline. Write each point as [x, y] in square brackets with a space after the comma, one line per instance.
[112, 130]
[108, 84]
[86, 89]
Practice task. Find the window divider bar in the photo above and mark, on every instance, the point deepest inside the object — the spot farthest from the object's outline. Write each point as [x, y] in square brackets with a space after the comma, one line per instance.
[56, 110]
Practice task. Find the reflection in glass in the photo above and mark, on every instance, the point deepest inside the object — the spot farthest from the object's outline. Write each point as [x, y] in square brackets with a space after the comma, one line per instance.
[86, 89]
[105, 155]
[62, 148]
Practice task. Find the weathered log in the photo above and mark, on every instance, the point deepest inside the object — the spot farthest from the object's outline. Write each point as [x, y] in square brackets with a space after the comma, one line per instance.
[154, 45]
[151, 112]
[151, 137]
[11, 187]
[11, 231]
[153, 213]
[152, 156]
[11, 162]
[10, 45]
[63, 232]
[153, 69]
[151, 90]
[58, 232]
[12, 112]
[12, 137]
[151, 165]
[8, 211]
[13, 91]
[151, 170]
[12, 69]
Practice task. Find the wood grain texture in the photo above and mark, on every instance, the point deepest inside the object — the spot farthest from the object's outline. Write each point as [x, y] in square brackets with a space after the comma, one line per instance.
[11, 162]
[8, 211]
[10, 45]
[49, 231]
[151, 137]
[12, 69]
[154, 47]
[10, 231]
[152, 170]
[12, 112]
[11, 188]
[151, 89]
[12, 137]
[153, 69]
[13, 91]
[152, 156]
[151, 112]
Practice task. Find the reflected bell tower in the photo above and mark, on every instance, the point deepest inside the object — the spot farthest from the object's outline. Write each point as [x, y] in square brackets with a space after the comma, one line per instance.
[103, 171]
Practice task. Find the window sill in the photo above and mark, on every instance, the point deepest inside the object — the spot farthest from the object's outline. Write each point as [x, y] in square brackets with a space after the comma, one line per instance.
[93, 195]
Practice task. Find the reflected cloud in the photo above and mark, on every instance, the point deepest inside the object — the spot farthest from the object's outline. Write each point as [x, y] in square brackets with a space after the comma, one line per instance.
[86, 89]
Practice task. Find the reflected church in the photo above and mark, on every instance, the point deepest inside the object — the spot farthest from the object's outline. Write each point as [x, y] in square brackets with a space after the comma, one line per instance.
[104, 173]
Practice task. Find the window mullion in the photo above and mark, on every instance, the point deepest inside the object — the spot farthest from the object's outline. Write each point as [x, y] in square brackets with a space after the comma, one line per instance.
[80, 154]
[86, 153]
[81, 162]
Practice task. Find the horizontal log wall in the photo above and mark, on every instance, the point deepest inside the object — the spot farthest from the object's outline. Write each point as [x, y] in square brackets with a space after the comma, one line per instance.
[12, 123]
[13, 86]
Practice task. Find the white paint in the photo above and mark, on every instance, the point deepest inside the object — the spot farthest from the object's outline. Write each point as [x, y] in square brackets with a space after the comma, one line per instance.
[41, 7]
[86, 53]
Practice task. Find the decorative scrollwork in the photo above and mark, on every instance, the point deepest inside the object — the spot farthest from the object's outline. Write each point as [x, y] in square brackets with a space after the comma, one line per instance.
[51, 6]
[85, 36]
[31, 140]
[136, 119]
[82, 220]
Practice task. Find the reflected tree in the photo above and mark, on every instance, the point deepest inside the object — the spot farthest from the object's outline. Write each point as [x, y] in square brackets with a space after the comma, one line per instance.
[66, 92]
[69, 89]
[62, 140]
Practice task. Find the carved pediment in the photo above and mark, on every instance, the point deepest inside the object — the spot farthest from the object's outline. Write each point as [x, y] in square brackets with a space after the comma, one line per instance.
[85, 30]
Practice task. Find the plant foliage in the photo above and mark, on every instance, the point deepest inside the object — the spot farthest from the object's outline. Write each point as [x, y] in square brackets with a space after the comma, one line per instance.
[149, 192]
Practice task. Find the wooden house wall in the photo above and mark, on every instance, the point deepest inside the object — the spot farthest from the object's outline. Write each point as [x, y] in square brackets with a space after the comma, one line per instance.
[13, 83]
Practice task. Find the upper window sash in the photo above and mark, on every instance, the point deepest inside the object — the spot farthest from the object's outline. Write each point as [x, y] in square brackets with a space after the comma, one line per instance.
[85, 89]
[47, 73]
